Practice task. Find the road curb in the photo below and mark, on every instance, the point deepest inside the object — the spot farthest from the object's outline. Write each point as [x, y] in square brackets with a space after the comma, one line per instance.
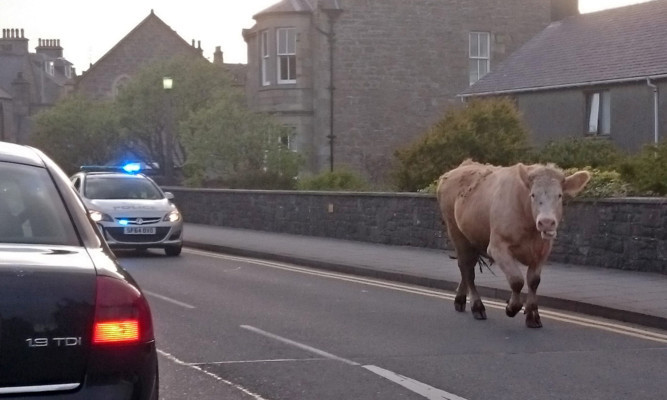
[632, 317]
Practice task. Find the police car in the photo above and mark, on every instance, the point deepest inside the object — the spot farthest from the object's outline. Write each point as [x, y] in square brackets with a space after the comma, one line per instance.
[130, 208]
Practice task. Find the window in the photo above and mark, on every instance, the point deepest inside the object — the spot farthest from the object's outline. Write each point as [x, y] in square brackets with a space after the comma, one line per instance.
[286, 39]
[265, 58]
[598, 113]
[287, 140]
[480, 55]
[68, 71]
[119, 84]
[49, 67]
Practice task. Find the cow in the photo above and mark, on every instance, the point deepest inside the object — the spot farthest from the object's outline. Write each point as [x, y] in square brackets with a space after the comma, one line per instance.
[509, 215]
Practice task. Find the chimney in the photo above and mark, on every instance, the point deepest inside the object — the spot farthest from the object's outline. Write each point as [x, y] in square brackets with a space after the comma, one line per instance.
[49, 47]
[13, 42]
[561, 9]
[217, 56]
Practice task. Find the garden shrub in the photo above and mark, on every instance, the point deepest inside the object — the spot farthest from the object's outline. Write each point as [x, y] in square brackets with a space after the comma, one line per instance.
[603, 183]
[647, 171]
[581, 152]
[485, 130]
[343, 180]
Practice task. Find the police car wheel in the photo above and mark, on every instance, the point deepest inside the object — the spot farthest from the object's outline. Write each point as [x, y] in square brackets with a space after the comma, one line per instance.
[172, 250]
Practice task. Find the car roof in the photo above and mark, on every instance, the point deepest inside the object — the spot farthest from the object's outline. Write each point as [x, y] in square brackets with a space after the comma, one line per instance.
[115, 175]
[17, 153]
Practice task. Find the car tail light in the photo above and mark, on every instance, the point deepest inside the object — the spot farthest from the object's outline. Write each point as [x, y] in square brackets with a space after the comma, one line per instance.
[122, 314]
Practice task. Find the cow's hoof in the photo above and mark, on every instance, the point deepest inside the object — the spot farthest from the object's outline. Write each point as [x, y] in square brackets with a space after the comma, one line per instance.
[512, 311]
[533, 319]
[478, 310]
[460, 303]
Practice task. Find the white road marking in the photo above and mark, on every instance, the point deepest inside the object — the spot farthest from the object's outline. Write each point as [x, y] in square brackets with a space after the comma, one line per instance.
[212, 375]
[412, 385]
[544, 313]
[169, 299]
[259, 361]
[299, 345]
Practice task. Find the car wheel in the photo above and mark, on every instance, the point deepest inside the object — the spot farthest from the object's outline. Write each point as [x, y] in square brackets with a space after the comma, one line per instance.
[173, 250]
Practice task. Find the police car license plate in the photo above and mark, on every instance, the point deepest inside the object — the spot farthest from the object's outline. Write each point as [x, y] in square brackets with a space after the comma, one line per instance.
[139, 230]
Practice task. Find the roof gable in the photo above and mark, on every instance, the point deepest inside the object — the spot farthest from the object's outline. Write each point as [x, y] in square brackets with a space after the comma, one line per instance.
[626, 43]
[152, 44]
[289, 6]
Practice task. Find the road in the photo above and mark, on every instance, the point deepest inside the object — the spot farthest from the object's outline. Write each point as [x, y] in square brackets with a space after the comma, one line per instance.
[234, 328]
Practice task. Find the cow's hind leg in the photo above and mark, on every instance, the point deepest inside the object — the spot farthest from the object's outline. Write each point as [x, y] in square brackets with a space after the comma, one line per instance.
[467, 262]
[467, 259]
[532, 315]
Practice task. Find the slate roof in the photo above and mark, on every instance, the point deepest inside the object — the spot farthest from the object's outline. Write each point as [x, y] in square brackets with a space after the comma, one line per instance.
[289, 6]
[622, 44]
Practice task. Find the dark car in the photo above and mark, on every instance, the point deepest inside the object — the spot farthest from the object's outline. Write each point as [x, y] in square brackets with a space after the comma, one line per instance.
[73, 322]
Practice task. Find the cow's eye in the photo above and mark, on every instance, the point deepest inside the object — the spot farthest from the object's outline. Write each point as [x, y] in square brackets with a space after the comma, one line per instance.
[532, 195]
[560, 195]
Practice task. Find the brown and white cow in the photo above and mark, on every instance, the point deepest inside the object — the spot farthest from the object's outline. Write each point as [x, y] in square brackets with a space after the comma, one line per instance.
[510, 215]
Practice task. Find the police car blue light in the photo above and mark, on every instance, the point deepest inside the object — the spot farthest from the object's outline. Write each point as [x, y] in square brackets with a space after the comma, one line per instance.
[132, 167]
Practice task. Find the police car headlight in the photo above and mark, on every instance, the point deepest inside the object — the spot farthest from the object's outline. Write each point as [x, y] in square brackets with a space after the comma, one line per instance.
[100, 216]
[173, 216]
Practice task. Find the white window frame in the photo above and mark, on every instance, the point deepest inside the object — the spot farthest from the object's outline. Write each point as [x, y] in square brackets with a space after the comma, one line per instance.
[50, 67]
[286, 50]
[598, 108]
[479, 60]
[264, 57]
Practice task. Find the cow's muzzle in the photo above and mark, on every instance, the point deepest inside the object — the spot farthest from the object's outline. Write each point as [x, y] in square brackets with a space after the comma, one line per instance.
[548, 227]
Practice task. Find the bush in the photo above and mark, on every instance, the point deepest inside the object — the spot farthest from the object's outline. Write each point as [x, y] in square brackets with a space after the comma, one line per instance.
[580, 153]
[343, 180]
[647, 171]
[486, 130]
[603, 183]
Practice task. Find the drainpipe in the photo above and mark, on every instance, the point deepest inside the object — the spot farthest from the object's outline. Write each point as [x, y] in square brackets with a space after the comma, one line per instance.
[656, 98]
[332, 15]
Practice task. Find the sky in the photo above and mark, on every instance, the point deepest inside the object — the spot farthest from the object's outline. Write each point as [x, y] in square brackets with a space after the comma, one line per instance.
[87, 29]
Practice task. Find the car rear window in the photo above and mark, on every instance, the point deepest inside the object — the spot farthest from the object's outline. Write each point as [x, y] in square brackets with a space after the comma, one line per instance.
[31, 209]
[117, 188]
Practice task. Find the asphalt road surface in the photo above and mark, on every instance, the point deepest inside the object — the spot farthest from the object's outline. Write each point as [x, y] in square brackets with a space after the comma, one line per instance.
[235, 328]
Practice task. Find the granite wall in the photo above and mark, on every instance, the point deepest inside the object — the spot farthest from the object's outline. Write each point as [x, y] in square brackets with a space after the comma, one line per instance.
[613, 233]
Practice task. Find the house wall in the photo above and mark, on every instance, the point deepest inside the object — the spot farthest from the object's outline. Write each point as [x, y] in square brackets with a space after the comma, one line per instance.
[553, 115]
[398, 66]
[291, 104]
[558, 114]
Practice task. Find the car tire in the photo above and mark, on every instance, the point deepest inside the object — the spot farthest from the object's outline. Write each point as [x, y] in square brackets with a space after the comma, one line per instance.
[173, 251]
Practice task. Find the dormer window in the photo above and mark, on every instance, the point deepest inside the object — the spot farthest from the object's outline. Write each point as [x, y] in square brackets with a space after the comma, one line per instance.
[68, 71]
[49, 67]
[286, 40]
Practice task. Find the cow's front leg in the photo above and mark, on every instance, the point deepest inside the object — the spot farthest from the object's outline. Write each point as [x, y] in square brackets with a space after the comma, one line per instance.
[500, 253]
[533, 279]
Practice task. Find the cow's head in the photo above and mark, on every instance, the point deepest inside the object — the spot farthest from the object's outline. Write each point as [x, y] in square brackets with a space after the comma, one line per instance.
[547, 185]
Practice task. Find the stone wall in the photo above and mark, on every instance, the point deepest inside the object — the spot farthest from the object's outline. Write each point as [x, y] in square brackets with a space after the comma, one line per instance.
[613, 233]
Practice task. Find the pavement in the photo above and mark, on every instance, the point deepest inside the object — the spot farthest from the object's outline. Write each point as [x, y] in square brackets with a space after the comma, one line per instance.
[629, 296]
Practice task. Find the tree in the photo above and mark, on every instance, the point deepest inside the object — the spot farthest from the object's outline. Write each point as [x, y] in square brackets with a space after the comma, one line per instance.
[228, 144]
[215, 136]
[76, 131]
[487, 130]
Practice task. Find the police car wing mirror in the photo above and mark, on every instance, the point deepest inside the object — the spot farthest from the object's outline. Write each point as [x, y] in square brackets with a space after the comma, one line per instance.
[169, 195]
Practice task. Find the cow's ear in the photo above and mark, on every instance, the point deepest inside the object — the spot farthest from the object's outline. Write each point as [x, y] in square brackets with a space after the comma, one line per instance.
[576, 182]
[523, 174]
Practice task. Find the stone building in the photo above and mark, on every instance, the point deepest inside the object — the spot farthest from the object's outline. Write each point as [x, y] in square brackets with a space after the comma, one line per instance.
[29, 82]
[151, 40]
[358, 79]
[608, 87]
